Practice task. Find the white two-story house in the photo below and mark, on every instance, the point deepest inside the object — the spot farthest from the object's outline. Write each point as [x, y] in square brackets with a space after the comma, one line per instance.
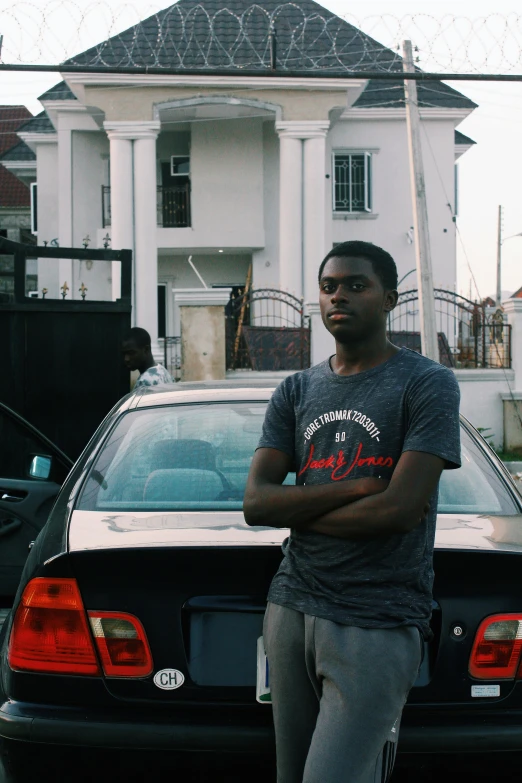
[261, 159]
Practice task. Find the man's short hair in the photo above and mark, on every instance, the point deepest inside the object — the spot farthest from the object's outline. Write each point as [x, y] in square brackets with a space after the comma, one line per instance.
[382, 262]
[140, 337]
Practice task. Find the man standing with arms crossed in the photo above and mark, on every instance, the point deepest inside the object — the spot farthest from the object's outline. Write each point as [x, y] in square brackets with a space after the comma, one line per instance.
[368, 433]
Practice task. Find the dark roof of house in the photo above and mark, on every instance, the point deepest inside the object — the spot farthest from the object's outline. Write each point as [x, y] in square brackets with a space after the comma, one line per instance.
[517, 294]
[39, 124]
[232, 35]
[461, 138]
[60, 92]
[19, 152]
[13, 193]
[224, 36]
[381, 93]
[11, 117]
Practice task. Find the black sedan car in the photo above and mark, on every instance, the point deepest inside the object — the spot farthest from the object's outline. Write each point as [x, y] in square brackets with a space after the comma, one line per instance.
[138, 619]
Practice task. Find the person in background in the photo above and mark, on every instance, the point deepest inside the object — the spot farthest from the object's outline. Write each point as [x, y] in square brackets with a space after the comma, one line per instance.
[137, 355]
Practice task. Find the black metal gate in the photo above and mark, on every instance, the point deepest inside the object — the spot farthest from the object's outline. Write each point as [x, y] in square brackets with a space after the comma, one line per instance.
[266, 330]
[470, 334]
[61, 359]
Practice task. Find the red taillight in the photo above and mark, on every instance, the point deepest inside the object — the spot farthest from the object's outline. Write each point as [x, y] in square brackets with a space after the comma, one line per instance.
[122, 644]
[50, 631]
[497, 648]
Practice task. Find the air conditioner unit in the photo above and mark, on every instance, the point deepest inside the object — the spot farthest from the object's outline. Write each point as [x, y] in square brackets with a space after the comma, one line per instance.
[33, 294]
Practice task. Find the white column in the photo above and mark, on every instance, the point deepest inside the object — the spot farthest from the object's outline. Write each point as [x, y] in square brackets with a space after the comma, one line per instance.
[323, 344]
[512, 400]
[65, 202]
[121, 200]
[145, 232]
[314, 211]
[302, 199]
[513, 310]
[290, 212]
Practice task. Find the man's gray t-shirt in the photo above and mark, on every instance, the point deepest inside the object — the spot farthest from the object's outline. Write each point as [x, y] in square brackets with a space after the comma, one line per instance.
[338, 428]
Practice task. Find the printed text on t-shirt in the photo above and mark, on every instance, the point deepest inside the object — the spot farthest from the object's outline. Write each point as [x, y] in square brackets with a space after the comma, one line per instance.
[343, 415]
[338, 463]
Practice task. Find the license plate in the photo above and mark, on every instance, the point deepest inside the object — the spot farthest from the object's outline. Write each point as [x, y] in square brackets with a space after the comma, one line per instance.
[263, 694]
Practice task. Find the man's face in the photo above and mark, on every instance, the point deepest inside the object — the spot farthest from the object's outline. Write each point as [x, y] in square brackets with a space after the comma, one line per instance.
[353, 302]
[133, 356]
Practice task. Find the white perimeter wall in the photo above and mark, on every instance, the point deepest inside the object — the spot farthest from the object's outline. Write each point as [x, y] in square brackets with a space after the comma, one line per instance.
[392, 205]
[481, 401]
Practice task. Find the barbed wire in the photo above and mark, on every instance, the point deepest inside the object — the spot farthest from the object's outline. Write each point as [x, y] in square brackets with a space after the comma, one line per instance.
[267, 36]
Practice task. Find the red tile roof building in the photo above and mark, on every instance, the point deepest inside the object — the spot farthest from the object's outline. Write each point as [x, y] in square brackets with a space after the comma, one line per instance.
[13, 193]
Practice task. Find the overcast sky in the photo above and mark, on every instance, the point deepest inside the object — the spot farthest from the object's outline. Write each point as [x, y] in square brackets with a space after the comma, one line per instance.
[490, 173]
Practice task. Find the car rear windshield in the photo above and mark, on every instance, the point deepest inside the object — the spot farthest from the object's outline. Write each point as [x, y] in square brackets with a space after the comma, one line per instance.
[197, 457]
[182, 457]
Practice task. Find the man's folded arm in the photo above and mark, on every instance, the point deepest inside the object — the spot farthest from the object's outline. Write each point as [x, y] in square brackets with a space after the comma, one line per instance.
[399, 509]
[269, 504]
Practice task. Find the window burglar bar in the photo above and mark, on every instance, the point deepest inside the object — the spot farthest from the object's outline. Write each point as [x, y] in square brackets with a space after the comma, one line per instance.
[173, 206]
[352, 182]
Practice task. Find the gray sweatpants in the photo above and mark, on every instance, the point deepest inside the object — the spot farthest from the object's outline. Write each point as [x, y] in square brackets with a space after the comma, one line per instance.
[338, 692]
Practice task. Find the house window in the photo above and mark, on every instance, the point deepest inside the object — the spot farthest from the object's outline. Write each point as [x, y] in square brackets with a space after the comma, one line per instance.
[352, 182]
[34, 208]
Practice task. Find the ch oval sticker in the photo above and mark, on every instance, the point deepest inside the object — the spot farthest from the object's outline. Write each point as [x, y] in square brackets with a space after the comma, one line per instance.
[169, 679]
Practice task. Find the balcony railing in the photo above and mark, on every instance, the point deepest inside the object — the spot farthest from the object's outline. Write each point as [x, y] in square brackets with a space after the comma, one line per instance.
[172, 206]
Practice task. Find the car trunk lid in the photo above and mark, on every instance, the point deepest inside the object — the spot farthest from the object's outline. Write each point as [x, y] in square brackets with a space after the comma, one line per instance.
[198, 583]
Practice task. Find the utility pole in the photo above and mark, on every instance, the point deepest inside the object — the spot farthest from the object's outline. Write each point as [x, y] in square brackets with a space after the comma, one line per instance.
[428, 326]
[499, 258]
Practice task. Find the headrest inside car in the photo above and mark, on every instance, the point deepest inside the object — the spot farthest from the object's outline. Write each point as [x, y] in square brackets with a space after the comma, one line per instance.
[182, 484]
[183, 453]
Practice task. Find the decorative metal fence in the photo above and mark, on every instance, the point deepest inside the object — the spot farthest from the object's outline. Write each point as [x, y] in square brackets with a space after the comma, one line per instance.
[172, 356]
[266, 330]
[470, 334]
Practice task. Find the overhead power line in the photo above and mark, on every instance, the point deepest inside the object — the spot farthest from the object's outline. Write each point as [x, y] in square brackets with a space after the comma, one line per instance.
[420, 76]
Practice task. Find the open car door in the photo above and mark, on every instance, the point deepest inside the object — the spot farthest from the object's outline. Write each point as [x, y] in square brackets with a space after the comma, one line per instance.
[32, 471]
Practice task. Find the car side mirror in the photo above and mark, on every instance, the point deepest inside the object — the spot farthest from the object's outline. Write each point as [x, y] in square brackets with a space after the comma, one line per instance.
[40, 467]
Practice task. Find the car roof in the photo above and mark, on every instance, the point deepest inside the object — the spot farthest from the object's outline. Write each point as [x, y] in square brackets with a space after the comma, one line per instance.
[203, 391]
